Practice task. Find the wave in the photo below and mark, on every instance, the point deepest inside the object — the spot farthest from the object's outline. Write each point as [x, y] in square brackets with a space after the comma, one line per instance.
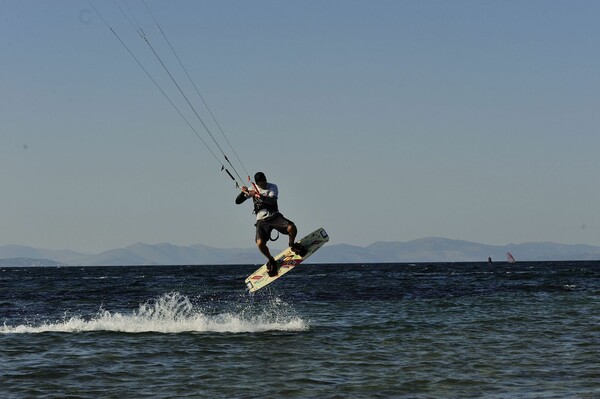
[174, 313]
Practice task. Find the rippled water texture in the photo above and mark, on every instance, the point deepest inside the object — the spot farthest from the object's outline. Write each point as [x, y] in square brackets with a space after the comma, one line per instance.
[528, 330]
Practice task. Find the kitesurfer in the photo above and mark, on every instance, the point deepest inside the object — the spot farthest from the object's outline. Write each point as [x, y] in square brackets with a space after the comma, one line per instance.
[268, 218]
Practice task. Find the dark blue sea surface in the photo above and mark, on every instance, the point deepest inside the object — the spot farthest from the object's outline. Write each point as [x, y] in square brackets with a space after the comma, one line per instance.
[452, 330]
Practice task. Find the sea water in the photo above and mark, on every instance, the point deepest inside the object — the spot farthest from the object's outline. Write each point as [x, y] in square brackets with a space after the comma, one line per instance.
[471, 330]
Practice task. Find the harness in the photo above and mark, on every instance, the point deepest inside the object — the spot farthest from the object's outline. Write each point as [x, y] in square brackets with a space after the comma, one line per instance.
[259, 205]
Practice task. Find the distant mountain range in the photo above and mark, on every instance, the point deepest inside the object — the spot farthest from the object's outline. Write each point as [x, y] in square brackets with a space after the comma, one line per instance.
[420, 250]
[29, 262]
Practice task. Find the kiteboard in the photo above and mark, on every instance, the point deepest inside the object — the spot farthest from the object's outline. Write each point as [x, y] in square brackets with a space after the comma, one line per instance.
[287, 260]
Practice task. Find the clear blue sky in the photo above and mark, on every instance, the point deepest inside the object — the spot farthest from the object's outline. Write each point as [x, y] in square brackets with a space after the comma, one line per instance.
[379, 120]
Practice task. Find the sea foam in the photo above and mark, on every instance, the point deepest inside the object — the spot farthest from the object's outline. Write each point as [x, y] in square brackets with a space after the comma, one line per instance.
[175, 313]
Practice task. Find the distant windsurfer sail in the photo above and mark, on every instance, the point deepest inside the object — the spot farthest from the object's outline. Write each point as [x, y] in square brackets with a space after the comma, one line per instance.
[510, 258]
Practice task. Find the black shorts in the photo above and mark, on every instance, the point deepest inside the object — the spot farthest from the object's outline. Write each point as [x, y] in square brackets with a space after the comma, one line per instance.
[265, 226]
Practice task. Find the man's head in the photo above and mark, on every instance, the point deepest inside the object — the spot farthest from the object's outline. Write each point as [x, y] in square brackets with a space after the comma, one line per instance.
[260, 179]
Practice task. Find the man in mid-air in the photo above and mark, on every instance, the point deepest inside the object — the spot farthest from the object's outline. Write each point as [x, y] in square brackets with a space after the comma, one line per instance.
[269, 218]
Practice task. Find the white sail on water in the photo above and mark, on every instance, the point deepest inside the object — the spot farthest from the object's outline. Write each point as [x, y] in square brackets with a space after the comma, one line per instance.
[510, 258]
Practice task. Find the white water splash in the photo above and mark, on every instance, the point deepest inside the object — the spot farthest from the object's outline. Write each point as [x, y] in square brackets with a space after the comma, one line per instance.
[174, 313]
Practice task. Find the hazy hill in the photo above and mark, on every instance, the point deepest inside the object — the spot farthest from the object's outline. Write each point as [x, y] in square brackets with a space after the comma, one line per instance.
[169, 254]
[62, 256]
[420, 250]
[18, 262]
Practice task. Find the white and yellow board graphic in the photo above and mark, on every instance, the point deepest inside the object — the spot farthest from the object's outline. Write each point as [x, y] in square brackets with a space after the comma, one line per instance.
[287, 260]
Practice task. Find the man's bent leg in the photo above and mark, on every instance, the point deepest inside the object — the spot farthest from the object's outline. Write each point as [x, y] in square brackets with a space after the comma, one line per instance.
[297, 248]
[262, 247]
[272, 263]
[292, 232]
